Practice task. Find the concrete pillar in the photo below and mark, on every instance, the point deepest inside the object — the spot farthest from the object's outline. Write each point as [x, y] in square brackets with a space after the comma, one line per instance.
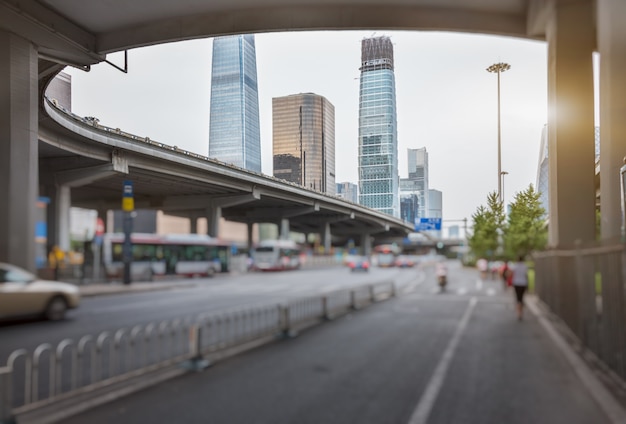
[250, 227]
[571, 40]
[213, 216]
[325, 237]
[18, 150]
[366, 244]
[59, 216]
[612, 48]
[63, 203]
[284, 229]
[193, 224]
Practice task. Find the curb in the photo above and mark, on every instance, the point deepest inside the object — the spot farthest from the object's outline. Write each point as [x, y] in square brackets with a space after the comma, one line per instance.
[119, 289]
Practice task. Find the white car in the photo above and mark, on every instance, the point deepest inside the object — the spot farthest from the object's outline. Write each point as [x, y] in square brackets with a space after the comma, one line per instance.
[23, 295]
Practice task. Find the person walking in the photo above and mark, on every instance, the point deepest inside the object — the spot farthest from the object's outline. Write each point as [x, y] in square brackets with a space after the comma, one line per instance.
[520, 284]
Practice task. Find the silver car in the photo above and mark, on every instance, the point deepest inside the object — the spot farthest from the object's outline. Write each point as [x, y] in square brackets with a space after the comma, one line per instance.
[23, 295]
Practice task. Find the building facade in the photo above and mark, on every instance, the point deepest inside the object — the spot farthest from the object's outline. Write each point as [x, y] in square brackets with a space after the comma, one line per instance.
[348, 191]
[378, 139]
[418, 176]
[303, 128]
[234, 131]
[435, 204]
[409, 207]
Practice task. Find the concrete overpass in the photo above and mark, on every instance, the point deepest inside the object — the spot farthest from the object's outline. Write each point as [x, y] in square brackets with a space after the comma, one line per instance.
[38, 38]
[84, 164]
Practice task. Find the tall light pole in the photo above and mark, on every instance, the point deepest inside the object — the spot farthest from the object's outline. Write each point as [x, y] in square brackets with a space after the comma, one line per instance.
[502, 174]
[498, 68]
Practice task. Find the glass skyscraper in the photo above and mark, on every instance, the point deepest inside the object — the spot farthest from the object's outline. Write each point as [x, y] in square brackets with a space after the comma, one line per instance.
[378, 139]
[303, 127]
[234, 132]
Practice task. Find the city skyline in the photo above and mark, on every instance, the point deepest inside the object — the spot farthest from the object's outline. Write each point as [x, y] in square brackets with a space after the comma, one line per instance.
[446, 101]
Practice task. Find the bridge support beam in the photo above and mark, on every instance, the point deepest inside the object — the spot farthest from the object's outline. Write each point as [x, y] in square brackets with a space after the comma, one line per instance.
[571, 41]
[612, 48]
[325, 237]
[284, 229]
[366, 244]
[213, 216]
[250, 228]
[59, 216]
[18, 150]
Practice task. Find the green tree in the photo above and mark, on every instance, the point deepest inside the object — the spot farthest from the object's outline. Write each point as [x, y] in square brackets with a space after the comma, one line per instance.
[487, 223]
[526, 228]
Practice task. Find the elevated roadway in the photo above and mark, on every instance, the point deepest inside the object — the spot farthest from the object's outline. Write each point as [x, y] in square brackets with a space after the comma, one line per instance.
[93, 161]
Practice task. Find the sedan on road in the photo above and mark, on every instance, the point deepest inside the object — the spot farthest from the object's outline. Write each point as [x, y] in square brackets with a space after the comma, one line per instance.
[23, 295]
[359, 263]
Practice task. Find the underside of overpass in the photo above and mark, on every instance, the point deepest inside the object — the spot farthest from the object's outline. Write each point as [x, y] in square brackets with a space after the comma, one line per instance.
[38, 38]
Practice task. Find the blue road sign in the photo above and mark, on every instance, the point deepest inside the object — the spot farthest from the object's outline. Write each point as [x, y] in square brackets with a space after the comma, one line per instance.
[428, 224]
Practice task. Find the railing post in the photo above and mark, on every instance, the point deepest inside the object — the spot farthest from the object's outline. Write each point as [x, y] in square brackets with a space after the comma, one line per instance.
[372, 293]
[325, 310]
[394, 292]
[285, 318]
[196, 362]
[353, 302]
[6, 396]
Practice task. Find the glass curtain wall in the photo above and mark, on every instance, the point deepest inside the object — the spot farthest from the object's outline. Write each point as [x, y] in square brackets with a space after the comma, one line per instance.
[234, 132]
[378, 141]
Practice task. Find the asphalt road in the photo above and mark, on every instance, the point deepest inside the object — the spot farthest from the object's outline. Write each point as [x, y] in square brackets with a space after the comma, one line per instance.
[423, 357]
[211, 295]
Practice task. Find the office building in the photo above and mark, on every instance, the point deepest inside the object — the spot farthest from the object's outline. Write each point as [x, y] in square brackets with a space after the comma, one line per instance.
[234, 131]
[303, 128]
[435, 204]
[378, 140]
[418, 175]
[348, 191]
[409, 207]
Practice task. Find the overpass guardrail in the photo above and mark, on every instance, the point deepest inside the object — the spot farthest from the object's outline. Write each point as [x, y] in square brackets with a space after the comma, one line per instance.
[52, 378]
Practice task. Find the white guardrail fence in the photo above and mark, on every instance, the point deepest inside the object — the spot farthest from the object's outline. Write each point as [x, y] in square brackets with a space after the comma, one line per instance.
[96, 365]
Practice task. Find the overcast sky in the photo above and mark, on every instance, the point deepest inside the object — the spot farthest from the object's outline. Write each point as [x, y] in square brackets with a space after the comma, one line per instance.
[446, 101]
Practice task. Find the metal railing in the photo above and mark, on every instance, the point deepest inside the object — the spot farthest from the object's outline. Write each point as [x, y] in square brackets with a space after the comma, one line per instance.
[585, 287]
[71, 368]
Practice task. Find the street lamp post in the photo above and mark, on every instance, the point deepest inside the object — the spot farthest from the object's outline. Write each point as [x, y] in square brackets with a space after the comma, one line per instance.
[498, 68]
[502, 174]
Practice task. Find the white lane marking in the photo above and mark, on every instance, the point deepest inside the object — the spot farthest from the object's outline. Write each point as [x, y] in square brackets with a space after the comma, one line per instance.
[479, 284]
[462, 291]
[491, 291]
[427, 401]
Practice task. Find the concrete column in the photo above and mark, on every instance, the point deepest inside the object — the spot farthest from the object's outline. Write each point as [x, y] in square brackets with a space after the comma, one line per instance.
[250, 228]
[612, 48]
[325, 237]
[62, 203]
[193, 224]
[571, 40]
[284, 229]
[59, 216]
[18, 150]
[366, 244]
[213, 216]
